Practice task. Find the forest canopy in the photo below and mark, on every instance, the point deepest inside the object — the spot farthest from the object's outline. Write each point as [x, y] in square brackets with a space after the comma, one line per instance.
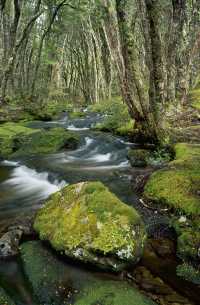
[86, 51]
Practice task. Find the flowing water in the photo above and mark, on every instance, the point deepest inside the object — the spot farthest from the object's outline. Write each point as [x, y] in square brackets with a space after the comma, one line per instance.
[26, 183]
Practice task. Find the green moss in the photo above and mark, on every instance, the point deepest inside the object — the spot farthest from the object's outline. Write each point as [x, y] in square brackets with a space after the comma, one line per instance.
[4, 298]
[50, 141]
[178, 185]
[111, 293]
[17, 140]
[188, 273]
[48, 275]
[86, 220]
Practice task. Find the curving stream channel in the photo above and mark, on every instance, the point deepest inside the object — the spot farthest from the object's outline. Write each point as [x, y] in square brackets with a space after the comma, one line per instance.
[26, 183]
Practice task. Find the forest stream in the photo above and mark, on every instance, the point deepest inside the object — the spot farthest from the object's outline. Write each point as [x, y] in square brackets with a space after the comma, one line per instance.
[25, 183]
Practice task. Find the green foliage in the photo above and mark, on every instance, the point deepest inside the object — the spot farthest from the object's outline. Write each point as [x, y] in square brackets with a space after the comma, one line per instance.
[86, 220]
[117, 118]
[189, 273]
[77, 114]
[178, 185]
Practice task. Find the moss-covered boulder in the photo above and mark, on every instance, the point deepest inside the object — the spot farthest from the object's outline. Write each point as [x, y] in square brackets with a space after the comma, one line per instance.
[17, 140]
[48, 141]
[4, 298]
[178, 185]
[87, 222]
[138, 157]
[11, 135]
[55, 282]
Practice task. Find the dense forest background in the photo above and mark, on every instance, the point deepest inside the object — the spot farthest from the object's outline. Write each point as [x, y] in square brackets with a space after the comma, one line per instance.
[147, 51]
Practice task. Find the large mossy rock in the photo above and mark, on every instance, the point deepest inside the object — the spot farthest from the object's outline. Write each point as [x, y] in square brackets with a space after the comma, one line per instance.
[178, 185]
[89, 223]
[17, 140]
[55, 282]
[4, 298]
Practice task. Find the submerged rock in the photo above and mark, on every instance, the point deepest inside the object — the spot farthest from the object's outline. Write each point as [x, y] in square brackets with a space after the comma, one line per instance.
[48, 276]
[4, 298]
[87, 222]
[56, 283]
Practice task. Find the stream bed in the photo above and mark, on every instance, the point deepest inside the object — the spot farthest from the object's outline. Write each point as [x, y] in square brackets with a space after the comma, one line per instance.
[25, 184]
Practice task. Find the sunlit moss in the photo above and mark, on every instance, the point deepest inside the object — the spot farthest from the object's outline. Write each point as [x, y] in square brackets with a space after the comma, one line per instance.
[86, 220]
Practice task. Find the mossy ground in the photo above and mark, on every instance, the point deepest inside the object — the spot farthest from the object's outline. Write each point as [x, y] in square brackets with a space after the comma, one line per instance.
[86, 220]
[77, 114]
[178, 185]
[4, 298]
[117, 120]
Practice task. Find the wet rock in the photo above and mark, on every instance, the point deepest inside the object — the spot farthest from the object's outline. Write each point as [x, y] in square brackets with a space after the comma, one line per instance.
[9, 243]
[157, 289]
[88, 223]
[10, 240]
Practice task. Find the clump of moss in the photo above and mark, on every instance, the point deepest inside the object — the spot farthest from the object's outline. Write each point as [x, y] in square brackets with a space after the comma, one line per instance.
[4, 298]
[178, 185]
[91, 224]
[188, 273]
